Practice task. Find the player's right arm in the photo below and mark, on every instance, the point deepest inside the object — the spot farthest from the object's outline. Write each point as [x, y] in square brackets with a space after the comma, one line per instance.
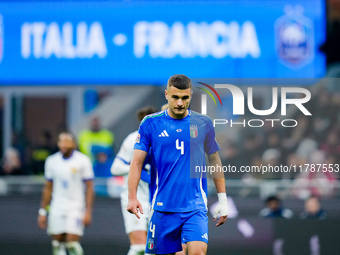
[121, 164]
[134, 177]
[119, 167]
[45, 201]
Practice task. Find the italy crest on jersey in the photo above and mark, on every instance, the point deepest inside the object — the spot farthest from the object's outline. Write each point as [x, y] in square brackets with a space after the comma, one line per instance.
[150, 243]
[193, 131]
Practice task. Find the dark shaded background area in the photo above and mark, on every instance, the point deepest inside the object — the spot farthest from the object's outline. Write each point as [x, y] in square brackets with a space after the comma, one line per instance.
[19, 233]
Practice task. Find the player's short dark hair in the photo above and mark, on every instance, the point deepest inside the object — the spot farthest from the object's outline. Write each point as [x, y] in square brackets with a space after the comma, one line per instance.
[272, 198]
[68, 133]
[179, 81]
[313, 197]
[141, 113]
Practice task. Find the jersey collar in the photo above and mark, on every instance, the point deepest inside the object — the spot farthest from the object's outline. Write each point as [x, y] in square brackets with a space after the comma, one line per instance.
[166, 114]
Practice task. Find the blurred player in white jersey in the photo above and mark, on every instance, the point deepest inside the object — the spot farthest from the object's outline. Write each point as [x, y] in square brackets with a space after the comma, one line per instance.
[69, 188]
[135, 228]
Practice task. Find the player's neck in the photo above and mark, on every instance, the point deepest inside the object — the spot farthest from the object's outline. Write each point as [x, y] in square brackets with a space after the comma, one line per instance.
[67, 155]
[177, 116]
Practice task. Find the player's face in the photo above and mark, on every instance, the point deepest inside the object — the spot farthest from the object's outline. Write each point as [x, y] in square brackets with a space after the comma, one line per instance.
[273, 205]
[178, 100]
[66, 144]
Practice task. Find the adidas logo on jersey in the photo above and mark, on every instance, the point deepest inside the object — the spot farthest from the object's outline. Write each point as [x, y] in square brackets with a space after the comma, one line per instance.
[205, 236]
[164, 134]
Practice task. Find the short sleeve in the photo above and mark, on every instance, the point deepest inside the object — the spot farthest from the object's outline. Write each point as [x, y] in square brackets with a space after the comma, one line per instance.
[126, 150]
[143, 139]
[48, 170]
[87, 169]
[210, 144]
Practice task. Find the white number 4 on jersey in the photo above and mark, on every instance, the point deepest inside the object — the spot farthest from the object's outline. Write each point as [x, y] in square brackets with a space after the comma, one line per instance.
[152, 229]
[180, 147]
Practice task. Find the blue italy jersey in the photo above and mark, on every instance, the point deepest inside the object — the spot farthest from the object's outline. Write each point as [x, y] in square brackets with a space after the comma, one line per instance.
[178, 146]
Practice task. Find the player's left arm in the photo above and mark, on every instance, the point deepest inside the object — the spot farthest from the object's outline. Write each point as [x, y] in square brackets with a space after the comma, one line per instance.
[89, 202]
[88, 176]
[219, 181]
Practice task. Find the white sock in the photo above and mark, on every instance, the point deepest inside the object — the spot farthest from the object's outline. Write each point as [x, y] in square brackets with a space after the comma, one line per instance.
[137, 249]
[58, 248]
[74, 248]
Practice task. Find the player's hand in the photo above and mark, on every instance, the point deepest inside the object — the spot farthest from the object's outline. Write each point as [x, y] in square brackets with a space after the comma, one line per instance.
[42, 221]
[221, 209]
[87, 219]
[134, 206]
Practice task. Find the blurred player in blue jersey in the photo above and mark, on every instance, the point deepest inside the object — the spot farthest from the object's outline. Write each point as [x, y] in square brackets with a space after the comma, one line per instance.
[136, 229]
[179, 139]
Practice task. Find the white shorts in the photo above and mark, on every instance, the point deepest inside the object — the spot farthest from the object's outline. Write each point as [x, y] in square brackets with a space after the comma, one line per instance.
[71, 223]
[131, 222]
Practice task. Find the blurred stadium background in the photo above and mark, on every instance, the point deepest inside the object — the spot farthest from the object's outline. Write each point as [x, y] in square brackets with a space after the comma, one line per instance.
[62, 63]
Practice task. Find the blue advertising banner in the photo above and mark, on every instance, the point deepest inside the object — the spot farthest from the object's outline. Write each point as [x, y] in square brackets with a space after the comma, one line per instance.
[145, 42]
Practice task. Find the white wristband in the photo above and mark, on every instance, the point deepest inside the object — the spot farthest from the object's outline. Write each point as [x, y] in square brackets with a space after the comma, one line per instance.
[42, 212]
[222, 207]
[222, 197]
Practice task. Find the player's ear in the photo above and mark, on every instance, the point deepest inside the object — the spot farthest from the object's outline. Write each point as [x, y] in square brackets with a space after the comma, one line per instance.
[166, 94]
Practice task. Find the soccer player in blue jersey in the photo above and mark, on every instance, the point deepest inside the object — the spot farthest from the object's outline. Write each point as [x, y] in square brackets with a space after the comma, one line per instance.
[179, 139]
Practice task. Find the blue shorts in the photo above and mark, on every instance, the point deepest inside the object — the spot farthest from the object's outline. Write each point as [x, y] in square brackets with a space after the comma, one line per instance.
[168, 230]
